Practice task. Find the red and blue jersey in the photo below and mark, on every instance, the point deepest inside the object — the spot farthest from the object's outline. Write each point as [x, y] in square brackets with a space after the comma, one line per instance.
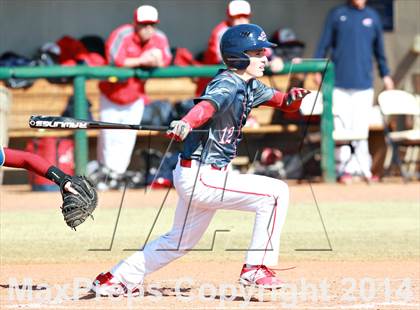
[216, 142]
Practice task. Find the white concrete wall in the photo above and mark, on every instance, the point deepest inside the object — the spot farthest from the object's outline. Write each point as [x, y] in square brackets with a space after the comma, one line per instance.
[400, 41]
[26, 24]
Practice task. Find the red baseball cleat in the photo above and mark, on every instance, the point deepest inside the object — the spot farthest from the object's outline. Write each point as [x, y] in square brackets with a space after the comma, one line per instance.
[260, 276]
[105, 284]
[374, 179]
[346, 179]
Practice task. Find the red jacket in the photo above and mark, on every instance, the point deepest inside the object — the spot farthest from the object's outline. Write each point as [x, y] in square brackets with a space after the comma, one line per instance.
[212, 55]
[125, 43]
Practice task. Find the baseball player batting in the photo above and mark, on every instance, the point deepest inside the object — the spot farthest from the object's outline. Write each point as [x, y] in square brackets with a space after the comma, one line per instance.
[202, 179]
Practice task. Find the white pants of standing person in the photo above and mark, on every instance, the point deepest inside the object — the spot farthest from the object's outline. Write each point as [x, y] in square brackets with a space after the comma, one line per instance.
[115, 146]
[351, 109]
[202, 191]
[5, 104]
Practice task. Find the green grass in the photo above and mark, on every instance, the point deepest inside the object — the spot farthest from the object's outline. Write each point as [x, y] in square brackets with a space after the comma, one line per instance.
[380, 231]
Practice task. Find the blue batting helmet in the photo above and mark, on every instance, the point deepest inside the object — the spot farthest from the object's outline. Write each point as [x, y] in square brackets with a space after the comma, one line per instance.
[239, 39]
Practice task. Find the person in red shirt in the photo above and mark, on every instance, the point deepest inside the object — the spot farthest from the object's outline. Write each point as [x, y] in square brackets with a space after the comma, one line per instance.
[139, 44]
[238, 13]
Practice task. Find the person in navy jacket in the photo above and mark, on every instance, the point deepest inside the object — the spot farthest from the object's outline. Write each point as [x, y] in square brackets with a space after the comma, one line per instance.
[352, 35]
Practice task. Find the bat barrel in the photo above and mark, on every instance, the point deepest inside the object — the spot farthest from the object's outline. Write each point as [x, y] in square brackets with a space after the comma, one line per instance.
[58, 122]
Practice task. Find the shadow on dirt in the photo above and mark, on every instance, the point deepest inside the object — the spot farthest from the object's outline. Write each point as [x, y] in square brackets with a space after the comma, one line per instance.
[164, 291]
[24, 287]
[178, 293]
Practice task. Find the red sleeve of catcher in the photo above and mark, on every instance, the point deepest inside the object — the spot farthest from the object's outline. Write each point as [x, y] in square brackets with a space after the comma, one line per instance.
[21, 159]
[200, 114]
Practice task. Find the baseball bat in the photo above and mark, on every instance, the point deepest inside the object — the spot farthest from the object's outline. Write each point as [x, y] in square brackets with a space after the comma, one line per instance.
[59, 122]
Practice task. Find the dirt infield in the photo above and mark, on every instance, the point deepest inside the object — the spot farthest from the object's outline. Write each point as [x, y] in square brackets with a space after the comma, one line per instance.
[207, 284]
[22, 197]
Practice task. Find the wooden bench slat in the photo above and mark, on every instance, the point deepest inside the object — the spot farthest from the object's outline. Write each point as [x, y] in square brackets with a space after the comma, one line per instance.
[45, 98]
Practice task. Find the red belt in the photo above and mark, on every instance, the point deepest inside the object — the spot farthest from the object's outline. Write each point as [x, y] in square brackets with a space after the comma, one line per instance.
[186, 163]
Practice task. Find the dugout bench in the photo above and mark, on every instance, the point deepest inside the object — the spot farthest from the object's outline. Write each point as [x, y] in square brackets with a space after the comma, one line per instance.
[45, 98]
[173, 83]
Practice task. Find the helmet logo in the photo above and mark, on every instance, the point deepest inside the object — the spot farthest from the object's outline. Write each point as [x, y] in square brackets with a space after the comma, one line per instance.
[245, 34]
[263, 36]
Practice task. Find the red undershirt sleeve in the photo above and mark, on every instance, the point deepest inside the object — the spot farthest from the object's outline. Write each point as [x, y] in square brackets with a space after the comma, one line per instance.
[34, 163]
[26, 160]
[277, 100]
[200, 114]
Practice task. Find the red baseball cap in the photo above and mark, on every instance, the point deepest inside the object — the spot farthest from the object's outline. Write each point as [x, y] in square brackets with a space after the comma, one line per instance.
[146, 14]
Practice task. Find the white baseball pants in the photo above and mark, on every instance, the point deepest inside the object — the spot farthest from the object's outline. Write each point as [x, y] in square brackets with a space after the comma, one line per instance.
[209, 190]
[115, 146]
[351, 109]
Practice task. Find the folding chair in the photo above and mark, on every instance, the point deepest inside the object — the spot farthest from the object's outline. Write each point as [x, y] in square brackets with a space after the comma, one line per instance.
[400, 135]
[312, 105]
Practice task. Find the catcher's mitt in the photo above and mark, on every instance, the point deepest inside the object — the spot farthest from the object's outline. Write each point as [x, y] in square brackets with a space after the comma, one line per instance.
[76, 208]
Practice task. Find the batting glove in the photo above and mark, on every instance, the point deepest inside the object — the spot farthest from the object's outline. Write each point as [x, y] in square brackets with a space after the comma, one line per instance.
[296, 94]
[178, 130]
[293, 99]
